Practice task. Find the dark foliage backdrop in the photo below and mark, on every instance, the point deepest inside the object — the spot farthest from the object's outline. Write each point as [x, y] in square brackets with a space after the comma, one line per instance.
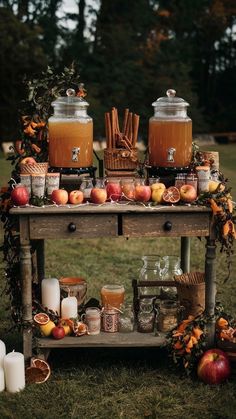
[128, 53]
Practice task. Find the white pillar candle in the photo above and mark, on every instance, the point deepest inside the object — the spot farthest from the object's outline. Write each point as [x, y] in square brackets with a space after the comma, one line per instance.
[2, 379]
[2, 352]
[69, 307]
[14, 369]
[51, 294]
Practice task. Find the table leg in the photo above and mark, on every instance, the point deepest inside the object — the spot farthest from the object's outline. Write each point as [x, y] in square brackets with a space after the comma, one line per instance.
[210, 279]
[185, 254]
[26, 275]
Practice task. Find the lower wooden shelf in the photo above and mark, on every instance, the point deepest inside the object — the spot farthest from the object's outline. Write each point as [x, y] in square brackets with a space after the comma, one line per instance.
[134, 339]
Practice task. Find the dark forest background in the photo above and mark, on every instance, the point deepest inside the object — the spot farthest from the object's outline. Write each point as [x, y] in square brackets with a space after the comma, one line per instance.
[128, 53]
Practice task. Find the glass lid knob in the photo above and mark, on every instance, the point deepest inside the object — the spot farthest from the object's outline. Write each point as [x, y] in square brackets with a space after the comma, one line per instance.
[171, 93]
[70, 92]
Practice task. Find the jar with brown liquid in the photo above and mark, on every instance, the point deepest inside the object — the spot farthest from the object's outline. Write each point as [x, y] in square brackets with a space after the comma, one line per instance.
[70, 133]
[170, 133]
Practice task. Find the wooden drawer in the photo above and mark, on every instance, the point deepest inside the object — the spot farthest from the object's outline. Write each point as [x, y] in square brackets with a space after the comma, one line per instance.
[73, 226]
[166, 225]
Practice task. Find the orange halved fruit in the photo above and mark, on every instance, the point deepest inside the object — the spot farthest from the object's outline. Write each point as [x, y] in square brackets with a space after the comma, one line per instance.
[38, 372]
[41, 318]
[171, 195]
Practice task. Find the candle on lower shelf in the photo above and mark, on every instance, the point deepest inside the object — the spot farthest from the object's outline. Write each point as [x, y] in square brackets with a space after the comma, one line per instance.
[69, 307]
[14, 369]
[2, 352]
[51, 294]
[2, 379]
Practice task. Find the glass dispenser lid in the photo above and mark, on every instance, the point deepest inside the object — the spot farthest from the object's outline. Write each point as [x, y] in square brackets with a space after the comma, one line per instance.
[170, 100]
[70, 100]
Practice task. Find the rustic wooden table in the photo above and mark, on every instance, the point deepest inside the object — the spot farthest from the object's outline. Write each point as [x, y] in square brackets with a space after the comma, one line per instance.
[110, 220]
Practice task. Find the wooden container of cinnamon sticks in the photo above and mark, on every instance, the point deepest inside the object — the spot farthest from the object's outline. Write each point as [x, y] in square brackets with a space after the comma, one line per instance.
[121, 152]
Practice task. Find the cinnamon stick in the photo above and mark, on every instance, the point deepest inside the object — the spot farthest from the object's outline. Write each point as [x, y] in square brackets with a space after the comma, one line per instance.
[125, 120]
[108, 129]
[113, 127]
[135, 129]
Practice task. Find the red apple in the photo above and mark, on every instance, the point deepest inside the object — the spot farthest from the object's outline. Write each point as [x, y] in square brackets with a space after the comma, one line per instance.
[214, 367]
[76, 197]
[114, 191]
[28, 160]
[59, 196]
[188, 193]
[20, 195]
[142, 193]
[58, 332]
[98, 195]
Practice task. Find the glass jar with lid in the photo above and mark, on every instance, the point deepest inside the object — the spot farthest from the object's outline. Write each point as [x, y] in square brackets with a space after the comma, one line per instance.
[70, 133]
[146, 315]
[86, 187]
[168, 313]
[126, 318]
[170, 133]
[180, 180]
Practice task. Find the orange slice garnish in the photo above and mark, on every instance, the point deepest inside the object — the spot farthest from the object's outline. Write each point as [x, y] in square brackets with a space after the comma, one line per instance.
[41, 318]
[38, 372]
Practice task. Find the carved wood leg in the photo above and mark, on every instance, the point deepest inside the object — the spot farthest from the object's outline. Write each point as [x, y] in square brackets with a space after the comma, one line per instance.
[210, 278]
[185, 254]
[26, 275]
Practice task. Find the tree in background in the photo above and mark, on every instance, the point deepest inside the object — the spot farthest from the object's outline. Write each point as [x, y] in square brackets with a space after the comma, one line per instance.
[128, 53]
[204, 38]
[20, 53]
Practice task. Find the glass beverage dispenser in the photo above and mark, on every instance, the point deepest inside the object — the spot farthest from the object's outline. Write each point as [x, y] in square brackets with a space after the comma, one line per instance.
[170, 133]
[70, 133]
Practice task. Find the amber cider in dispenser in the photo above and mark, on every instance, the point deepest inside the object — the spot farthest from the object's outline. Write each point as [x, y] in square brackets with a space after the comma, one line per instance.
[64, 136]
[170, 133]
[70, 133]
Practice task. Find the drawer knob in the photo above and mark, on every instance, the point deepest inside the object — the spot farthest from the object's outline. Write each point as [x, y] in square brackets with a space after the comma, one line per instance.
[168, 226]
[72, 227]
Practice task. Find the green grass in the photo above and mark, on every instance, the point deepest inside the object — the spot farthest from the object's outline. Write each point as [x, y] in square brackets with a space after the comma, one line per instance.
[128, 383]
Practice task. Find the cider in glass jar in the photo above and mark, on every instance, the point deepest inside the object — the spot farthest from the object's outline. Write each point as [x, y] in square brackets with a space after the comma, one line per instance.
[170, 133]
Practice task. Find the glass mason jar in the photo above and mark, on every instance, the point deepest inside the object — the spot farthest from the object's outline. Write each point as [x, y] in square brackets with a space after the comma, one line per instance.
[167, 273]
[170, 133]
[86, 187]
[180, 180]
[112, 295]
[168, 315]
[126, 318]
[70, 133]
[150, 271]
[113, 187]
[100, 182]
[191, 179]
[146, 315]
[128, 187]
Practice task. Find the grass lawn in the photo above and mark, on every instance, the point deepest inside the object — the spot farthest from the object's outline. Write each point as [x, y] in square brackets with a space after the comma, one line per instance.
[128, 383]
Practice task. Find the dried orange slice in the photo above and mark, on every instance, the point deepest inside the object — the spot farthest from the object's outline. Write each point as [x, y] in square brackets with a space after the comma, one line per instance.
[171, 195]
[38, 372]
[41, 318]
